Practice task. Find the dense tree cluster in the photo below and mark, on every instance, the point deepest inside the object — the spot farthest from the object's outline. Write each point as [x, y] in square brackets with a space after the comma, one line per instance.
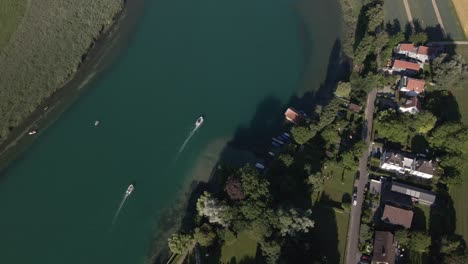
[251, 211]
[449, 71]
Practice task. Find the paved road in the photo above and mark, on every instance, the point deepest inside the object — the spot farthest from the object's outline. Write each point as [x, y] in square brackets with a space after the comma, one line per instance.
[352, 253]
[463, 42]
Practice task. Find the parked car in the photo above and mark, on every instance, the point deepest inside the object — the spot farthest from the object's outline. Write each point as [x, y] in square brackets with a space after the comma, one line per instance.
[354, 199]
[365, 259]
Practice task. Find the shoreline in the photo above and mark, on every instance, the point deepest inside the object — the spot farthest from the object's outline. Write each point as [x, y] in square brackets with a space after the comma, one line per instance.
[100, 54]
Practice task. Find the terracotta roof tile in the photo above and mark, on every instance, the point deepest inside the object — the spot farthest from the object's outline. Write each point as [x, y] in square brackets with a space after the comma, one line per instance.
[415, 85]
[406, 65]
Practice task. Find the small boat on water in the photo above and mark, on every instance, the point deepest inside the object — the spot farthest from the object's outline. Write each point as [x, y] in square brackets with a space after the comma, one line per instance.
[199, 121]
[129, 189]
[96, 123]
[32, 132]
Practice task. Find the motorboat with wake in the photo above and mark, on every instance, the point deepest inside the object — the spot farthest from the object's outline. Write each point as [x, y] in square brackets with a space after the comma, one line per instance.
[129, 190]
[199, 121]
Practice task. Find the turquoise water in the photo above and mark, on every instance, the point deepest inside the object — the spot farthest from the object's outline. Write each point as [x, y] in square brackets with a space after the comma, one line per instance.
[216, 57]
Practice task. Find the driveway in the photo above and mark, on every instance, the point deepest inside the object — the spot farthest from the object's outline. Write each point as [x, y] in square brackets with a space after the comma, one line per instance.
[352, 252]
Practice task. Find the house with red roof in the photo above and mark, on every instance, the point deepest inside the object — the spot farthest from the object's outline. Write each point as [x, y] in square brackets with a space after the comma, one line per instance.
[405, 67]
[421, 53]
[293, 116]
[405, 48]
[411, 86]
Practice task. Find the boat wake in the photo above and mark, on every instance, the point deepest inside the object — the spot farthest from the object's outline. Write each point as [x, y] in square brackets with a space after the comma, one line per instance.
[198, 124]
[126, 195]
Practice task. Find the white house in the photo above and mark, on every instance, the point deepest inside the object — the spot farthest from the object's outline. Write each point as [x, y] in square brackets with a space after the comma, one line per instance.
[403, 163]
[421, 53]
[412, 106]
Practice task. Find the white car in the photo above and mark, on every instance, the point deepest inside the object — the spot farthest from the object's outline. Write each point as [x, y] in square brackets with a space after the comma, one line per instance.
[354, 199]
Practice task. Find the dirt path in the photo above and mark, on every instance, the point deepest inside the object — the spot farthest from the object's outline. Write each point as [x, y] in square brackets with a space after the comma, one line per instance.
[439, 18]
[408, 14]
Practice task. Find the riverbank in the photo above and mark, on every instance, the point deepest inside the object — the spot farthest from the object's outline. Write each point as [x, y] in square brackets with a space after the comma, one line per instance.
[98, 56]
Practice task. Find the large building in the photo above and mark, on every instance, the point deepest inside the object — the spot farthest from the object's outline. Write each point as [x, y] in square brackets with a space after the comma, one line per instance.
[403, 163]
[384, 248]
[417, 194]
[397, 216]
[421, 53]
[405, 67]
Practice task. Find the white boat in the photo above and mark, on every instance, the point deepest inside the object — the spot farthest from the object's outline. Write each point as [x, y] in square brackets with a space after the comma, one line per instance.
[129, 189]
[199, 121]
[96, 123]
[32, 132]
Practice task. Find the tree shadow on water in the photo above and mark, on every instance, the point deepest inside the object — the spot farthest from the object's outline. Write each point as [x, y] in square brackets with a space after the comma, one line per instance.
[268, 120]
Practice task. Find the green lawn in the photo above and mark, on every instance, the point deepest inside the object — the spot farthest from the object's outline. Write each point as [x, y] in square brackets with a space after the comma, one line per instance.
[342, 221]
[243, 248]
[11, 13]
[333, 229]
[460, 194]
[395, 10]
[339, 184]
[450, 19]
[421, 217]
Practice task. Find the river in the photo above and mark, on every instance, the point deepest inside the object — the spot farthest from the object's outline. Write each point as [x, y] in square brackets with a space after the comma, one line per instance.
[223, 59]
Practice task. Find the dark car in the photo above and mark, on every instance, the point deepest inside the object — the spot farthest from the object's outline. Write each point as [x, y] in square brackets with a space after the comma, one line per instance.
[365, 259]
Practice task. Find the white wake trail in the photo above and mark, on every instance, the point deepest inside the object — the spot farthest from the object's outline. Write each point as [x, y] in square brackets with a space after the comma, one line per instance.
[119, 209]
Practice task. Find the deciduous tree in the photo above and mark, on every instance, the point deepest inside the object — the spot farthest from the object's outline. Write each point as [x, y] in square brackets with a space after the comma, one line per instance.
[216, 211]
[180, 243]
[204, 235]
[449, 71]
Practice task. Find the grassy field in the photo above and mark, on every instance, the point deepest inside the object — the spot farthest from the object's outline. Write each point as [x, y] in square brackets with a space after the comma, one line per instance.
[45, 51]
[461, 7]
[421, 217]
[243, 248]
[11, 13]
[338, 187]
[395, 10]
[450, 19]
[460, 194]
[339, 184]
[423, 11]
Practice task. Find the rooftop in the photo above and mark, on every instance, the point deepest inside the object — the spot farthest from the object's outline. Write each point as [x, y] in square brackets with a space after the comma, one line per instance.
[424, 196]
[424, 50]
[293, 116]
[414, 84]
[384, 249]
[397, 216]
[354, 107]
[400, 64]
[412, 102]
[406, 47]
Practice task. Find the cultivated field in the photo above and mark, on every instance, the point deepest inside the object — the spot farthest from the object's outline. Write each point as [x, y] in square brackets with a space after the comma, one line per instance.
[423, 11]
[45, 50]
[461, 7]
[395, 10]
[450, 19]
[11, 13]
